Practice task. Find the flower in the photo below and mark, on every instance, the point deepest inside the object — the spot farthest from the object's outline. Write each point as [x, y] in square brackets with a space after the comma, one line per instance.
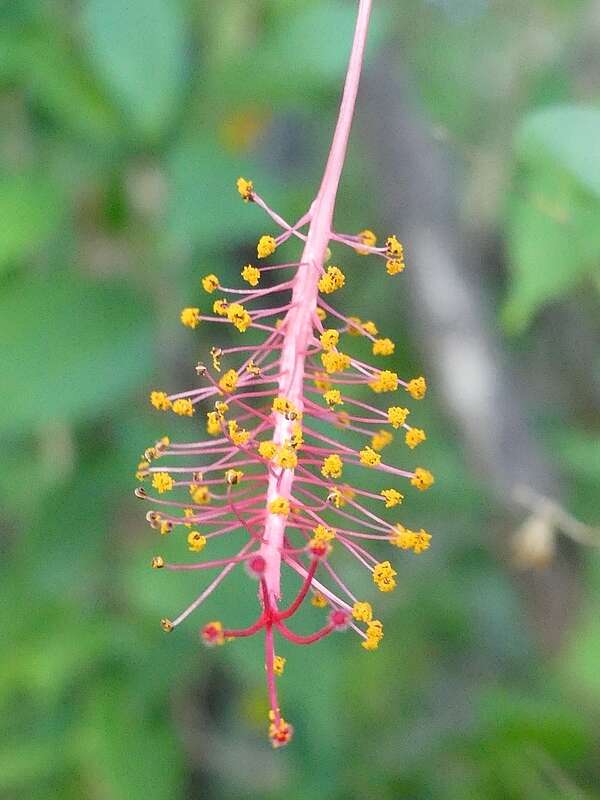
[276, 441]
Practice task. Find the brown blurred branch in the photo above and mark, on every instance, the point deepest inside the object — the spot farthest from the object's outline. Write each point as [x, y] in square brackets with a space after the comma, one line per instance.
[472, 372]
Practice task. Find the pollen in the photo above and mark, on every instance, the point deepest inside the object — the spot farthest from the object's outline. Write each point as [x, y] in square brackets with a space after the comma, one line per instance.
[333, 398]
[392, 497]
[383, 347]
[319, 600]
[383, 576]
[210, 283]
[239, 317]
[297, 439]
[196, 541]
[280, 734]
[200, 494]
[394, 266]
[267, 449]
[422, 479]
[279, 505]
[266, 246]
[393, 247]
[332, 467]
[333, 280]
[335, 362]
[397, 416]
[228, 382]
[286, 457]
[321, 314]
[183, 407]
[166, 625]
[386, 381]
[381, 439]
[362, 611]
[370, 328]
[414, 437]
[233, 476]
[406, 539]
[220, 308]
[160, 401]
[213, 425]
[245, 188]
[190, 317]
[162, 482]
[279, 663]
[329, 339]
[216, 354]
[369, 457]
[417, 388]
[323, 534]
[322, 381]
[251, 274]
[157, 562]
[368, 239]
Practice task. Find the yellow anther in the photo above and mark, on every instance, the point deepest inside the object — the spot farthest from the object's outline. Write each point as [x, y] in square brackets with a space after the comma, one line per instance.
[321, 314]
[386, 381]
[267, 449]
[370, 328]
[157, 562]
[245, 188]
[335, 362]
[199, 494]
[395, 265]
[332, 467]
[405, 539]
[279, 505]
[392, 497]
[333, 398]
[368, 239]
[333, 279]
[162, 482]
[188, 513]
[228, 382]
[165, 527]
[381, 439]
[160, 401]
[417, 388]
[323, 534]
[278, 665]
[233, 476]
[414, 437]
[266, 246]
[213, 425]
[343, 418]
[216, 354]
[394, 248]
[369, 457]
[370, 644]
[220, 308]
[190, 317]
[196, 541]
[362, 611]
[183, 407]
[422, 479]
[397, 416]
[319, 600]
[286, 457]
[210, 283]
[251, 274]
[252, 369]
[239, 317]
[166, 625]
[383, 576]
[354, 326]
[322, 382]
[383, 347]
[329, 339]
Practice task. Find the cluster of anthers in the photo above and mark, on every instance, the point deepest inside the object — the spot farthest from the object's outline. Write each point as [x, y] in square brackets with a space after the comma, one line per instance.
[270, 473]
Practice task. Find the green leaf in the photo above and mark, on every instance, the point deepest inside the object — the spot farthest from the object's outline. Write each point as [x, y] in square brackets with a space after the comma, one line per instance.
[30, 209]
[553, 241]
[72, 349]
[138, 50]
[567, 136]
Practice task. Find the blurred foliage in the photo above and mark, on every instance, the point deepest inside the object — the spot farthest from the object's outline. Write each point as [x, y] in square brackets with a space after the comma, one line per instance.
[124, 128]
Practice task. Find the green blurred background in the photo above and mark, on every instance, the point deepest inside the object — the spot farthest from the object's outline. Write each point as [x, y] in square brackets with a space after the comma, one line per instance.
[124, 126]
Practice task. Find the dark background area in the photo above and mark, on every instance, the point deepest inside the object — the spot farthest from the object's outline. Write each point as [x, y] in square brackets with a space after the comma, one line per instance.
[477, 139]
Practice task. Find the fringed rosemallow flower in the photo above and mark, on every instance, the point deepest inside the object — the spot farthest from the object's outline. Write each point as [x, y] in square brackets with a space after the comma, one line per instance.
[270, 476]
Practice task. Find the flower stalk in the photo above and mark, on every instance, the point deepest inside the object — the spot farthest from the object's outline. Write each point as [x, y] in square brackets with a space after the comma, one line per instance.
[270, 475]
